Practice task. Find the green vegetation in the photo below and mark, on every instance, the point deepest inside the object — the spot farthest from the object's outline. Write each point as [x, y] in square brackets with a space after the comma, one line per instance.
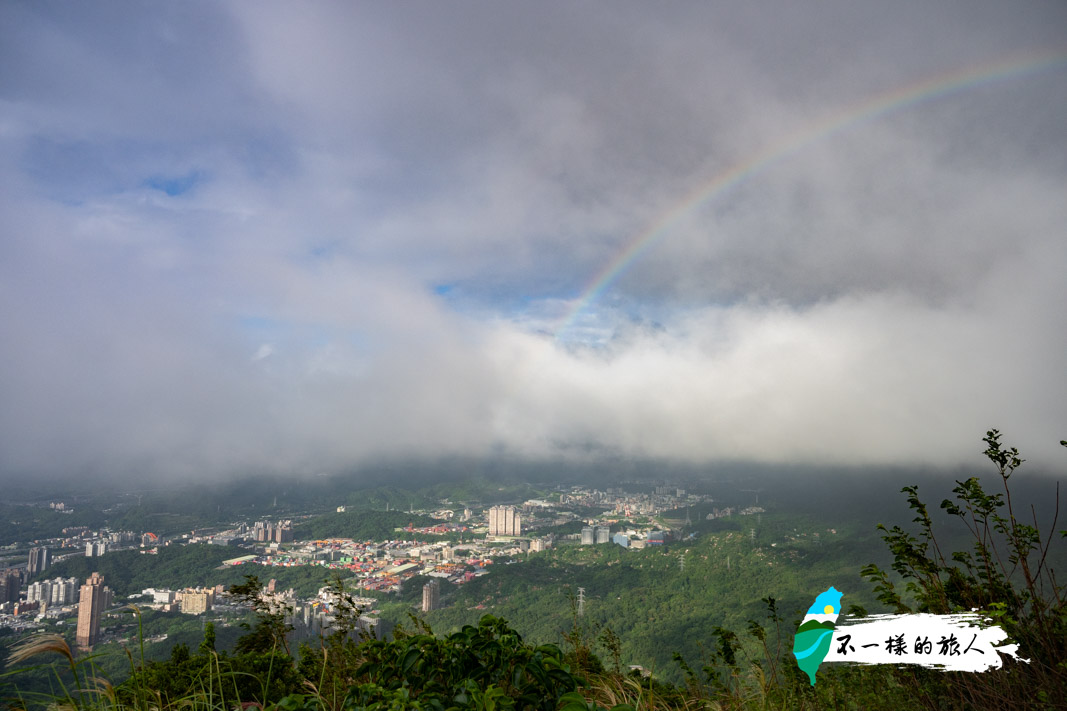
[131, 571]
[1006, 574]
[163, 514]
[486, 666]
[655, 603]
[176, 567]
[563, 529]
[713, 618]
[31, 523]
[360, 525]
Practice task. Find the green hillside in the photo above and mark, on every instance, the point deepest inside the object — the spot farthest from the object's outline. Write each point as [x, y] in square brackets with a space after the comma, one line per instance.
[656, 604]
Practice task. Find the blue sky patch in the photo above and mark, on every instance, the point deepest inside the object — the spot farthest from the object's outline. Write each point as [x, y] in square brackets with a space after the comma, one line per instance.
[174, 185]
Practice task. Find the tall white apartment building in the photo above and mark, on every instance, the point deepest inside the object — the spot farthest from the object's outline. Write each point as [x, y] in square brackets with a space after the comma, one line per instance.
[504, 521]
[58, 591]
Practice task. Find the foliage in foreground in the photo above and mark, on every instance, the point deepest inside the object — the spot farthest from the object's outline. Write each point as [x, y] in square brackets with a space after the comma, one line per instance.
[1006, 576]
[488, 666]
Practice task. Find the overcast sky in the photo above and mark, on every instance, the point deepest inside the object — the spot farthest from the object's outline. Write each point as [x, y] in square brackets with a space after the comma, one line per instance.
[296, 237]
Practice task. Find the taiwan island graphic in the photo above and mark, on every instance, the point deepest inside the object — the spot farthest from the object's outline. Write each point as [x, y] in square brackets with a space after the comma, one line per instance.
[816, 632]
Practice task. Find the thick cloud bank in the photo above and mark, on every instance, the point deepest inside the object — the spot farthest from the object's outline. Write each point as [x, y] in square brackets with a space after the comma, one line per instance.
[295, 237]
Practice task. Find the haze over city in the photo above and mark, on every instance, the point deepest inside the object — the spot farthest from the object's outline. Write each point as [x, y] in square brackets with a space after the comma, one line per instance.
[296, 238]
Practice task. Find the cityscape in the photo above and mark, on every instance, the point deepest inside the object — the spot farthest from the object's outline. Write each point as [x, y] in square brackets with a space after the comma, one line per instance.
[533, 356]
[477, 538]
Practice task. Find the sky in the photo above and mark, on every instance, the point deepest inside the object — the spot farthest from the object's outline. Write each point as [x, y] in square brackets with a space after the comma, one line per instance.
[294, 238]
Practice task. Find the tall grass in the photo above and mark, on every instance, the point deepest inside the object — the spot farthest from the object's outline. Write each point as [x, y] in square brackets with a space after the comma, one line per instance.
[490, 667]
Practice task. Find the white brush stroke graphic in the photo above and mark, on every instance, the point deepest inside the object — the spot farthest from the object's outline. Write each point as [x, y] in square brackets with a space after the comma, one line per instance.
[961, 642]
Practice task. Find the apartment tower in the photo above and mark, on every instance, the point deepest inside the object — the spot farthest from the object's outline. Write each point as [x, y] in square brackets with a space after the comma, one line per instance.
[431, 595]
[93, 599]
[504, 521]
[38, 561]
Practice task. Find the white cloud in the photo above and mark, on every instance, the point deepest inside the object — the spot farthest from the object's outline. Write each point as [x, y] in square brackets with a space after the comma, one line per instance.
[883, 295]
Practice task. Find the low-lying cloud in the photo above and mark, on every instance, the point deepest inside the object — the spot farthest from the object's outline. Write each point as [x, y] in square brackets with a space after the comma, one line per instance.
[294, 239]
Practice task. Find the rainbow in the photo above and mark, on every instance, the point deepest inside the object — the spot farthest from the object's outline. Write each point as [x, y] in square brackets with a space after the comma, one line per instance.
[868, 110]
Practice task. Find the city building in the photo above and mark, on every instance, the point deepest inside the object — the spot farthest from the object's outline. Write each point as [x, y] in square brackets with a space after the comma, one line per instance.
[10, 583]
[40, 590]
[197, 601]
[57, 591]
[121, 538]
[38, 561]
[595, 534]
[283, 532]
[95, 549]
[270, 532]
[504, 521]
[25, 608]
[431, 595]
[160, 596]
[94, 597]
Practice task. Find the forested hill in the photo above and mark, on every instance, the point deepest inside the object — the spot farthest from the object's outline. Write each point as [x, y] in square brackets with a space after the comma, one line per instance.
[176, 567]
[131, 571]
[663, 600]
[360, 525]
